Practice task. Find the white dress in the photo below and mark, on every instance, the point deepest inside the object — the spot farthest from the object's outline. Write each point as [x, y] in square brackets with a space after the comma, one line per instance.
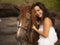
[50, 40]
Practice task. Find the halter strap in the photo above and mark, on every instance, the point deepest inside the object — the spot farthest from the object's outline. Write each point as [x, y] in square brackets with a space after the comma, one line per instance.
[22, 27]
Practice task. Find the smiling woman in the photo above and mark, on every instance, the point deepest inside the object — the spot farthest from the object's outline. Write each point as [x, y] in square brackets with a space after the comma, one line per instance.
[46, 29]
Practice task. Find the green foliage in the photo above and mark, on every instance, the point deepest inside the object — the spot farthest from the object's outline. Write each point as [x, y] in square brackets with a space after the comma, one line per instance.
[50, 4]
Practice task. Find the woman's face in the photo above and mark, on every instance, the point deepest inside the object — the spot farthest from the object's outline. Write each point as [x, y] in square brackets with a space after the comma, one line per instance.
[38, 11]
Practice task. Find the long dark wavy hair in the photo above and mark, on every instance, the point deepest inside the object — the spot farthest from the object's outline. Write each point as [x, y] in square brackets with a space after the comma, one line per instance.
[45, 13]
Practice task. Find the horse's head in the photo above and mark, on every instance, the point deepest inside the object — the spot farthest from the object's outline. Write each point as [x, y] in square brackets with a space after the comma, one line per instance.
[24, 22]
[25, 17]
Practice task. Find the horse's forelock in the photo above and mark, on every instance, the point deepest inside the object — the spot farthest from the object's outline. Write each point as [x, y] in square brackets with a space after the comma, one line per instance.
[24, 10]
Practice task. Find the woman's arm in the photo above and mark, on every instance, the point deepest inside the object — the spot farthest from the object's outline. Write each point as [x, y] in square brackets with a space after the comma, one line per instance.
[46, 27]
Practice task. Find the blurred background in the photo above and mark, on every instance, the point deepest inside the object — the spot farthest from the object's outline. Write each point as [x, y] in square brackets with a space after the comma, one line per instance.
[9, 11]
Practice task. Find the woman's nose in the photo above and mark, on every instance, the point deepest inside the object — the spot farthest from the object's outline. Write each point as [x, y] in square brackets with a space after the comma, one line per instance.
[37, 13]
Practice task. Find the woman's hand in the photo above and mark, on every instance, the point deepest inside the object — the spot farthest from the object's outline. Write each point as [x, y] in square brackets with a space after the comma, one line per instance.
[34, 27]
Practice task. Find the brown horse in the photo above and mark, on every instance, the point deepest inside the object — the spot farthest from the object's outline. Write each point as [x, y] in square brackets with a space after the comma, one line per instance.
[25, 34]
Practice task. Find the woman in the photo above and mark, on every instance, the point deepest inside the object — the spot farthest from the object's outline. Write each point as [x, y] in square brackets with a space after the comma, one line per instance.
[46, 31]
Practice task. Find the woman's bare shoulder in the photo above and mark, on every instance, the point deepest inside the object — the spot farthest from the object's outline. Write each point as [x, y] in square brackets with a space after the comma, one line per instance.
[47, 20]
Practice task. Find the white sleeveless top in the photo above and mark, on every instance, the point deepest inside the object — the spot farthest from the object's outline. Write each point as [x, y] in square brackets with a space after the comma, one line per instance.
[50, 40]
